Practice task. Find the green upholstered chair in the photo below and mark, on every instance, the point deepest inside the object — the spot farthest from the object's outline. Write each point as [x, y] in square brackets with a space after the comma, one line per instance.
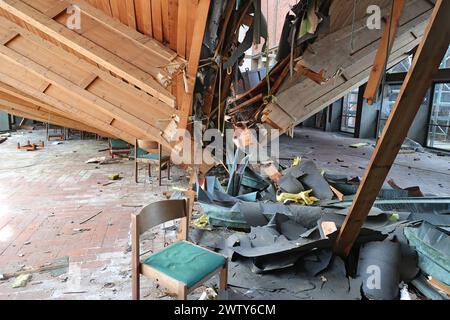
[181, 267]
[151, 153]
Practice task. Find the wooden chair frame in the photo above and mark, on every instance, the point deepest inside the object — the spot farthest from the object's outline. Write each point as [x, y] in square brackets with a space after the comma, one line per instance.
[151, 216]
[151, 147]
[62, 135]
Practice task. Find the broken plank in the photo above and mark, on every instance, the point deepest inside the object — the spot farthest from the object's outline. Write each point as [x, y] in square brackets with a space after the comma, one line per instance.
[384, 50]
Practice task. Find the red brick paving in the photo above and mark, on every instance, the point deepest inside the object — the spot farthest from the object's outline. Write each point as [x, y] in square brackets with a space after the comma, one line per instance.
[44, 195]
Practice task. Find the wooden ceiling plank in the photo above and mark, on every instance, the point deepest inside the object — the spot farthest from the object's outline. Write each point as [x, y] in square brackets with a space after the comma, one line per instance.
[182, 25]
[157, 20]
[165, 20]
[131, 14]
[39, 114]
[194, 60]
[302, 98]
[87, 97]
[89, 100]
[88, 49]
[144, 17]
[173, 23]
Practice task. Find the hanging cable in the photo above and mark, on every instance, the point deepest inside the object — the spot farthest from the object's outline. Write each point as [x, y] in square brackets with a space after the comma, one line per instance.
[352, 40]
[269, 93]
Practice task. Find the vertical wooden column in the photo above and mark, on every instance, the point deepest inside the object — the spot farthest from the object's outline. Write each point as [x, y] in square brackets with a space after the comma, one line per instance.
[194, 59]
[425, 65]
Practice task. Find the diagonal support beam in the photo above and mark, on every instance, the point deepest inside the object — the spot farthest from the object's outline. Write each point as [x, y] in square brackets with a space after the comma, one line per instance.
[425, 65]
[386, 44]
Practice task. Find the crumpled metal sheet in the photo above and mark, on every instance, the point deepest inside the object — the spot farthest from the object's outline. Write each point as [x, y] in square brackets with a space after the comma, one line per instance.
[433, 247]
[436, 205]
[314, 180]
[285, 239]
[296, 282]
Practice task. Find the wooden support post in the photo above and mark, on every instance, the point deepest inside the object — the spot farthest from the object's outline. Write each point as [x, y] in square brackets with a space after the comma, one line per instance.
[194, 60]
[387, 42]
[425, 66]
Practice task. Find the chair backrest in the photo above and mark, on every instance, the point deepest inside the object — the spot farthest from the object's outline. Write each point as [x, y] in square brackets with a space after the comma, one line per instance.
[149, 146]
[160, 212]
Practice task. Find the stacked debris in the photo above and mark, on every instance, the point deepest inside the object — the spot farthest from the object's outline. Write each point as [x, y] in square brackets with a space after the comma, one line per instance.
[285, 227]
[223, 99]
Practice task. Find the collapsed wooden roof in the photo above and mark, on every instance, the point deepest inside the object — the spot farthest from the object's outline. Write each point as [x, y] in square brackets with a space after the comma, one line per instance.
[130, 70]
[104, 76]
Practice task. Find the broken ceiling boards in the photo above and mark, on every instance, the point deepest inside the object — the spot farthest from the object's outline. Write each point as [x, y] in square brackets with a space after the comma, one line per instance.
[152, 72]
[302, 98]
[100, 39]
[58, 78]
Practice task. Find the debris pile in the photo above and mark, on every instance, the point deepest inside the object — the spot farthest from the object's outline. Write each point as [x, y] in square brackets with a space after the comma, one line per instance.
[279, 234]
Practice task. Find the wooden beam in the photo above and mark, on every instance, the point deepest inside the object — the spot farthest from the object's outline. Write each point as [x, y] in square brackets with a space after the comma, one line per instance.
[386, 44]
[302, 98]
[87, 48]
[194, 60]
[425, 65]
[81, 86]
[35, 113]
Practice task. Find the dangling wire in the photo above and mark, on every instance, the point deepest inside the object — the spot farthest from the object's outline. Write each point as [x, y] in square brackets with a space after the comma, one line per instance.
[219, 113]
[269, 93]
[352, 40]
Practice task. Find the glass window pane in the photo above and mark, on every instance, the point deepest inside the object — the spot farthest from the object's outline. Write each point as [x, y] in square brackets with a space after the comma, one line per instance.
[391, 93]
[390, 96]
[349, 109]
[439, 129]
[446, 61]
[401, 67]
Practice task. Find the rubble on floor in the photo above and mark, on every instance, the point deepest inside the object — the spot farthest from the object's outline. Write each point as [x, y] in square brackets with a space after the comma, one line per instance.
[279, 236]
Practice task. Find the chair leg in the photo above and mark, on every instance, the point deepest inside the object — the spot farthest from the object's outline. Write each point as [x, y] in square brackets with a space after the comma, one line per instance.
[182, 292]
[149, 170]
[224, 277]
[135, 285]
[136, 171]
[160, 174]
[168, 170]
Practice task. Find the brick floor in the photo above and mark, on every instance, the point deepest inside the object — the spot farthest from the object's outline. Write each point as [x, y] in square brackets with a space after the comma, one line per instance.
[44, 195]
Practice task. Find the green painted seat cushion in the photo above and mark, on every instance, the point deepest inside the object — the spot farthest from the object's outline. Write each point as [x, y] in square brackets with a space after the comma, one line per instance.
[119, 144]
[185, 262]
[150, 156]
[142, 154]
